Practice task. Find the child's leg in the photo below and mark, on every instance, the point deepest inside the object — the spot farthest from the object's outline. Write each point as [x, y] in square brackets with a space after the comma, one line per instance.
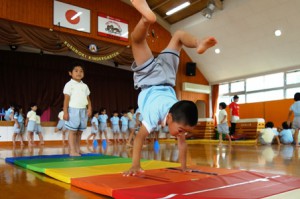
[220, 137]
[140, 49]
[14, 138]
[78, 140]
[21, 139]
[72, 143]
[296, 137]
[41, 138]
[63, 137]
[100, 135]
[229, 138]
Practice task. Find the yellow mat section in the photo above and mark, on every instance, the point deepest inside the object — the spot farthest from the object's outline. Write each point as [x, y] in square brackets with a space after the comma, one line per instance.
[66, 174]
[205, 141]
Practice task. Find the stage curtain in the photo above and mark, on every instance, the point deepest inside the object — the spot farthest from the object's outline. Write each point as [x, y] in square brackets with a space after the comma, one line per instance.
[215, 95]
[31, 77]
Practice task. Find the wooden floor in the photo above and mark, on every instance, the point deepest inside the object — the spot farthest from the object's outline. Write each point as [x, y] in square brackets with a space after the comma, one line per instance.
[17, 182]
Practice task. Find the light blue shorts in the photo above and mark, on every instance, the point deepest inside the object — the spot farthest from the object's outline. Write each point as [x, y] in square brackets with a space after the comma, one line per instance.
[37, 128]
[61, 125]
[102, 126]
[124, 129]
[77, 119]
[30, 125]
[19, 130]
[115, 128]
[94, 130]
[131, 124]
[223, 128]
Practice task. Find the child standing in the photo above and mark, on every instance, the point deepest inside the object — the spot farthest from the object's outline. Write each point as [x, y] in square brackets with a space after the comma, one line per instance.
[286, 135]
[156, 77]
[115, 127]
[94, 127]
[61, 126]
[103, 124]
[222, 125]
[295, 108]
[234, 113]
[124, 128]
[30, 123]
[38, 127]
[9, 113]
[18, 126]
[77, 107]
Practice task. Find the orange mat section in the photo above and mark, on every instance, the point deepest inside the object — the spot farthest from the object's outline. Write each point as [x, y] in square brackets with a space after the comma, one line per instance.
[107, 184]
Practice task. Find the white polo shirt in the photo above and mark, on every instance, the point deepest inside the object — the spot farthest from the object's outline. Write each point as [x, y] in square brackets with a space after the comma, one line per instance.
[78, 92]
[31, 115]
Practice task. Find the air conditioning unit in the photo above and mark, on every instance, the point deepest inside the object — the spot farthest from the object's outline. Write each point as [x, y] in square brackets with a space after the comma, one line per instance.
[197, 88]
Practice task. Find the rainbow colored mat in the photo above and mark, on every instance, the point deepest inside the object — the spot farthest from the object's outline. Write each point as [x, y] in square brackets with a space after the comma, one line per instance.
[102, 174]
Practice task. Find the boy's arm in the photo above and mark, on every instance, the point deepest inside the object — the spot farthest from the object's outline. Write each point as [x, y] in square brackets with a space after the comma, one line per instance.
[224, 118]
[136, 155]
[66, 106]
[182, 146]
[89, 110]
[289, 117]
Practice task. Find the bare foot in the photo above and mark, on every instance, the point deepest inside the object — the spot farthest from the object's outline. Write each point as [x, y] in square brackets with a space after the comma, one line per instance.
[205, 44]
[143, 8]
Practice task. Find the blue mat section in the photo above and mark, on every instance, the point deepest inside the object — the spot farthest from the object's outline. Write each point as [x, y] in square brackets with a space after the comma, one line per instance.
[11, 160]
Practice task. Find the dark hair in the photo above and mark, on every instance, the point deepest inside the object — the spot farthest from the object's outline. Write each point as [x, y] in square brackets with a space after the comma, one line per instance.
[32, 104]
[185, 112]
[95, 112]
[223, 105]
[102, 109]
[124, 112]
[115, 112]
[285, 125]
[17, 110]
[130, 108]
[297, 97]
[75, 64]
[235, 97]
[269, 125]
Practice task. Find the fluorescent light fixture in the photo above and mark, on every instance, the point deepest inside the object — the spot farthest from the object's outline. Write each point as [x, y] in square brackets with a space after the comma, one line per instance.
[77, 15]
[80, 29]
[217, 51]
[180, 7]
[277, 33]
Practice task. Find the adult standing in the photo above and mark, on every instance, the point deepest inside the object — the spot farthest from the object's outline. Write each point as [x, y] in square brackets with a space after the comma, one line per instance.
[234, 113]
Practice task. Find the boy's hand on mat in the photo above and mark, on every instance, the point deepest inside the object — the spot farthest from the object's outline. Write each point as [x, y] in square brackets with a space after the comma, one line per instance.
[133, 171]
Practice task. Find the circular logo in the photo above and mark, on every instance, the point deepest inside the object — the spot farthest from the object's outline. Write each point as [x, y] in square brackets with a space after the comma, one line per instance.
[93, 48]
[71, 16]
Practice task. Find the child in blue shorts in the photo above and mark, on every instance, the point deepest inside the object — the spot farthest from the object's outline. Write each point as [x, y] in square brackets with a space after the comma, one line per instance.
[77, 108]
[94, 127]
[124, 128]
[61, 126]
[30, 123]
[19, 125]
[115, 127]
[156, 77]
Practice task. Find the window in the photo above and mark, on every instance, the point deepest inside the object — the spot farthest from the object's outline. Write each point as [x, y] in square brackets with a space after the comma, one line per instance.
[237, 86]
[223, 88]
[265, 96]
[290, 92]
[293, 77]
[265, 82]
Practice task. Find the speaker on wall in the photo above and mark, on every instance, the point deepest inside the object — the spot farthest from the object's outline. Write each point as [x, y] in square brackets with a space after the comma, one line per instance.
[190, 69]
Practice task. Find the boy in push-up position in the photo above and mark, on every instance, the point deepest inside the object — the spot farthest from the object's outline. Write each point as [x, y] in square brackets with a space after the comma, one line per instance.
[156, 77]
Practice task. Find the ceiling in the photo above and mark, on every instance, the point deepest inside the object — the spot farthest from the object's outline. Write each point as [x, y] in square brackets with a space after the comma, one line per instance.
[245, 33]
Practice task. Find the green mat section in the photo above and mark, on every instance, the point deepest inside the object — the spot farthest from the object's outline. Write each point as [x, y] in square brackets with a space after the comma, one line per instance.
[39, 165]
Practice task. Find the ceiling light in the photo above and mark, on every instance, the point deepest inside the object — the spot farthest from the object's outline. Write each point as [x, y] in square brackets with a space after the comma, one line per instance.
[217, 51]
[277, 33]
[208, 11]
[180, 7]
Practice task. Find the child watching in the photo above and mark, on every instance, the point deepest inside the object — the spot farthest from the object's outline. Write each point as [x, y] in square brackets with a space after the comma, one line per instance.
[156, 77]
[124, 128]
[94, 127]
[103, 124]
[30, 123]
[222, 125]
[77, 107]
[18, 126]
[61, 126]
[115, 127]
[286, 135]
[9, 113]
[267, 135]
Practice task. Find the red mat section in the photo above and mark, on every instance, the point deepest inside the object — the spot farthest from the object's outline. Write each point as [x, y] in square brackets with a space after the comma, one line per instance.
[107, 184]
[240, 185]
